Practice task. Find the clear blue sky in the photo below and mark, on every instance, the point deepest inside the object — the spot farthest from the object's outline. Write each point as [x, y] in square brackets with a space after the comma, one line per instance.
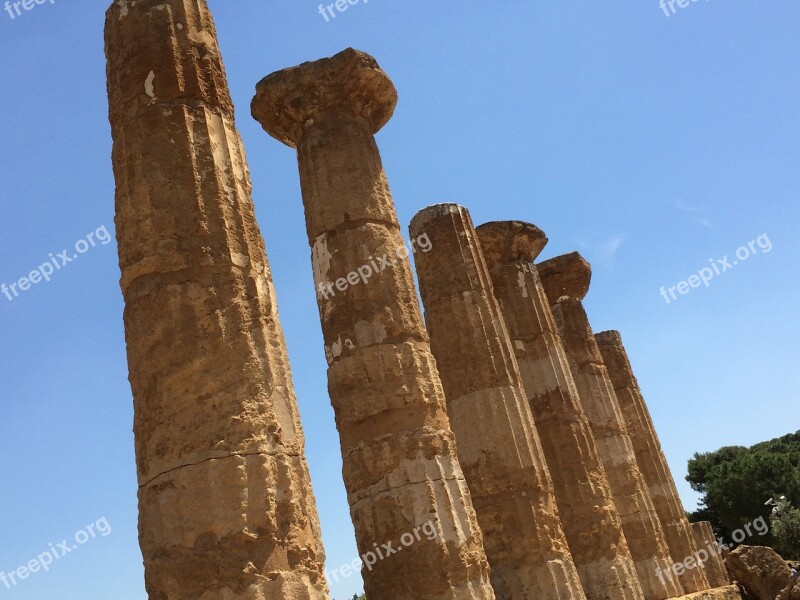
[649, 143]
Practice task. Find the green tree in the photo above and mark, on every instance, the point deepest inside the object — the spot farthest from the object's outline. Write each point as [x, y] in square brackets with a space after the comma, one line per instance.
[735, 483]
[786, 528]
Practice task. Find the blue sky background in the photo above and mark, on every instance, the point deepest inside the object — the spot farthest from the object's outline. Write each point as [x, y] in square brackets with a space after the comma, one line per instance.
[649, 143]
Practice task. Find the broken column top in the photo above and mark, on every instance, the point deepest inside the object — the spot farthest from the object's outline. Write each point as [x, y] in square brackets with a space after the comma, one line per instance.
[616, 359]
[351, 82]
[431, 213]
[565, 275]
[510, 241]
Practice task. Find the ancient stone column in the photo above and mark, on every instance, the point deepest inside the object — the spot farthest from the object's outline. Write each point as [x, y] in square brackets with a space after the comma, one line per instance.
[649, 456]
[400, 463]
[498, 445]
[591, 522]
[225, 500]
[714, 566]
[566, 282]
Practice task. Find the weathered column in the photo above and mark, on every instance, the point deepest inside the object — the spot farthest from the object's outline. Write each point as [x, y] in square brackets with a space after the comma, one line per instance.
[591, 522]
[498, 445]
[706, 543]
[225, 501]
[566, 282]
[400, 464]
[651, 460]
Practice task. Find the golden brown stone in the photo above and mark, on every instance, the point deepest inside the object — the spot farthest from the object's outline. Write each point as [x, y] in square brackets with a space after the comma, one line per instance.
[650, 458]
[400, 463]
[714, 566]
[591, 522]
[498, 445]
[566, 280]
[226, 507]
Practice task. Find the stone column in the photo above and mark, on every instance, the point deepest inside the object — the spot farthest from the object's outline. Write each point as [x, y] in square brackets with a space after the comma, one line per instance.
[225, 500]
[591, 522]
[498, 445]
[714, 566]
[651, 460]
[400, 464]
[566, 282]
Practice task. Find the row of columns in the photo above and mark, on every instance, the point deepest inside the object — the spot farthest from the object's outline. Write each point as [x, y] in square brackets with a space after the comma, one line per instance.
[501, 421]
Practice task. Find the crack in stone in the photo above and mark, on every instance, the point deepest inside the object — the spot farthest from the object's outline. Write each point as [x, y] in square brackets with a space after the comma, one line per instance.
[205, 460]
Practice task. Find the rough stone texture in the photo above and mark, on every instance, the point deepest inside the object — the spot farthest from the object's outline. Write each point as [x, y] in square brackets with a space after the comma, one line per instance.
[498, 445]
[704, 538]
[591, 522]
[729, 592]
[226, 507]
[400, 463]
[649, 456]
[566, 282]
[790, 593]
[761, 570]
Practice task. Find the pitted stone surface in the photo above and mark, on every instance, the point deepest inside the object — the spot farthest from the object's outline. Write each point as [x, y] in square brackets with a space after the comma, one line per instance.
[591, 522]
[705, 539]
[643, 529]
[566, 275]
[400, 463]
[498, 444]
[650, 458]
[225, 500]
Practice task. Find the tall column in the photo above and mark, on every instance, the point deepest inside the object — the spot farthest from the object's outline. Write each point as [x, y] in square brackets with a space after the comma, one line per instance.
[566, 282]
[650, 457]
[591, 522]
[498, 445]
[225, 500]
[714, 566]
[400, 464]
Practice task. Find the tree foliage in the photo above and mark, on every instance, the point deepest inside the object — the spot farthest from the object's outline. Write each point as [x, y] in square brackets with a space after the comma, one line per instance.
[736, 482]
[786, 528]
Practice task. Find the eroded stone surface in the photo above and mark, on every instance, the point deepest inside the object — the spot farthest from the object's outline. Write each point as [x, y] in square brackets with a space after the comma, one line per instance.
[561, 277]
[590, 519]
[762, 572]
[498, 444]
[226, 507]
[729, 592]
[650, 458]
[400, 464]
[704, 538]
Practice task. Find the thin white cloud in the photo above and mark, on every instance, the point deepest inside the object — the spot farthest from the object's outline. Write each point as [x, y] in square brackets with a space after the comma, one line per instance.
[603, 250]
[696, 213]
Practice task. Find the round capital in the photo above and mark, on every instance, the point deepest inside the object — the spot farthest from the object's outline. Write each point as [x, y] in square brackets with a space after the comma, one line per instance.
[350, 83]
[565, 275]
[510, 241]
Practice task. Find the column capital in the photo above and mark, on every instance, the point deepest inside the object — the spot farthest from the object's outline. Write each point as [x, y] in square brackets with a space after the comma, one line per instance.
[510, 241]
[566, 275]
[350, 83]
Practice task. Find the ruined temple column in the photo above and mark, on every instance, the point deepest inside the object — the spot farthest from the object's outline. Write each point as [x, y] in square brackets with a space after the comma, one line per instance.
[566, 282]
[706, 542]
[591, 522]
[400, 464]
[498, 445]
[652, 462]
[225, 501]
